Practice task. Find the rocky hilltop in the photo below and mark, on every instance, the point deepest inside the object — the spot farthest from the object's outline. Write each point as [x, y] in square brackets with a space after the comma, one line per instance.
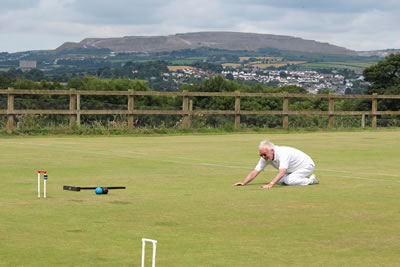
[219, 40]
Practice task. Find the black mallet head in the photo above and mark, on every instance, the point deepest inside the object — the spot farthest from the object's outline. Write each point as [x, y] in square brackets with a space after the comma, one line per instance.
[103, 188]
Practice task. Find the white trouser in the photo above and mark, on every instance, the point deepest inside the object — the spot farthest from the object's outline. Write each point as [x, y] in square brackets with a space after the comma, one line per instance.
[299, 177]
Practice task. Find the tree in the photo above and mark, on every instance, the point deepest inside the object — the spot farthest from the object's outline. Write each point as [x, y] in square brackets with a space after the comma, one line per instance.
[34, 75]
[283, 74]
[14, 73]
[385, 79]
[384, 76]
[4, 82]
[229, 76]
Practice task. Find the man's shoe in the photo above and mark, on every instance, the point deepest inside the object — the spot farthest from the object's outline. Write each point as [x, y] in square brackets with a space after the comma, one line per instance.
[313, 179]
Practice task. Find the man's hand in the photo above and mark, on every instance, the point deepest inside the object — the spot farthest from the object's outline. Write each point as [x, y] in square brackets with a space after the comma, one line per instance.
[267, 186]
[239, 184]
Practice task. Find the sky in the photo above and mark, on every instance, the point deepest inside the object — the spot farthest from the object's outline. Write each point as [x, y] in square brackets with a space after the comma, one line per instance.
[46, 24]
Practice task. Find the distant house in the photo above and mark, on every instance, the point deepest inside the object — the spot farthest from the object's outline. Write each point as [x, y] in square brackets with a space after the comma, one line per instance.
[27, 64]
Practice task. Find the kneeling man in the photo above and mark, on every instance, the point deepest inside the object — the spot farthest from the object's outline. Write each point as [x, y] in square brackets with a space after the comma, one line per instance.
[294, 166]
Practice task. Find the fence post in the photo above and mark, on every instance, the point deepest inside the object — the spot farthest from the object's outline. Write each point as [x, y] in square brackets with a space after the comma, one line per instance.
[374, 109]
[185, 109]
[285, 111]
[363, 120]
[78, 108]
[237, 110]
[190, 112]
[10, 111]
[72, 108]
[131, 105]
[331, 112]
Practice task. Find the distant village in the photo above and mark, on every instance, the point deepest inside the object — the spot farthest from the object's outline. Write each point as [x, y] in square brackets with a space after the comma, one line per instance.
[313, 81]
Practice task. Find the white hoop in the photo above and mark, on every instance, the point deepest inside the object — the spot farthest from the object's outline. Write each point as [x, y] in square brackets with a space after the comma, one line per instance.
[154, 242]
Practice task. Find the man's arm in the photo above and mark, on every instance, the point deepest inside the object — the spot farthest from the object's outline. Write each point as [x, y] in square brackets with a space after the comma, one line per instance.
[274, 181]
[250, 177]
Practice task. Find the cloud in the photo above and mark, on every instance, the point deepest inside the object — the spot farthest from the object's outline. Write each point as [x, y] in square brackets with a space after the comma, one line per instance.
[338, 6]
[46, 24]
[7, 5]
[118, 12]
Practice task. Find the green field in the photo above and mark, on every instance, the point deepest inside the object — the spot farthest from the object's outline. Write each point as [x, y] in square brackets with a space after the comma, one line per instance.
[189, 60]
[179, 192]
[356, 66]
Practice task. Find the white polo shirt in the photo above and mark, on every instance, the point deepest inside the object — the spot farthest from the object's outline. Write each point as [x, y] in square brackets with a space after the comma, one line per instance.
[286, 157]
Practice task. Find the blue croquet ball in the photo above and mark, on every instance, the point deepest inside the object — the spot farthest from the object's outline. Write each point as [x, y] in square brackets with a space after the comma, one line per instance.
[99, 190]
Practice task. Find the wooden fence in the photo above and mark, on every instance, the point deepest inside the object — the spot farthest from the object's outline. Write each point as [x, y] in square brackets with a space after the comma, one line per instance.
[187, 111]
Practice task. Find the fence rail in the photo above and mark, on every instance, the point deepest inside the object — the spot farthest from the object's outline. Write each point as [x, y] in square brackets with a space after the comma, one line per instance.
[187, 111]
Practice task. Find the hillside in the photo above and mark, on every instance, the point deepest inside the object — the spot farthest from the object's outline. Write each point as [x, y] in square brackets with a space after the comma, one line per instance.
[378, 53]
[218, 40]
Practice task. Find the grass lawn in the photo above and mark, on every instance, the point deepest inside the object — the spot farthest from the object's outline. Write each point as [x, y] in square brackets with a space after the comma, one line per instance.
[179, 192]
